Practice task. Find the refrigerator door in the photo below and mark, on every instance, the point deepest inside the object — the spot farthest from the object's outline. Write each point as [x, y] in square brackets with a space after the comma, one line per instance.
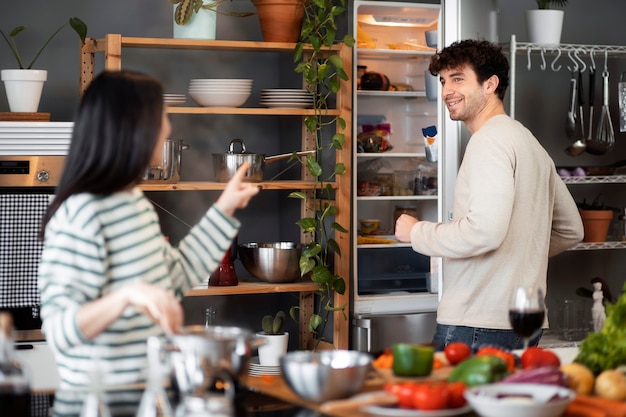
[376, 333]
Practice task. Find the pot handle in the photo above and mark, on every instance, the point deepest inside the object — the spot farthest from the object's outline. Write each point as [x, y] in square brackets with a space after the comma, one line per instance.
[274, 158]
[231, 146]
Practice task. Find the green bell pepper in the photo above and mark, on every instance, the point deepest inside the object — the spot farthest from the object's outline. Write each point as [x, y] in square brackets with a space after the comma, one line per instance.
[479, 370]
[412, 360]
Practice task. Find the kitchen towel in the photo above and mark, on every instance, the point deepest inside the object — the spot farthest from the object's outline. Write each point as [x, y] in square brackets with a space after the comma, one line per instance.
[20, 248]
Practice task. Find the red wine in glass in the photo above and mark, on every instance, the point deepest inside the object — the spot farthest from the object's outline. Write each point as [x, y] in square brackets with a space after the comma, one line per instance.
[526, 323]
[527, 312]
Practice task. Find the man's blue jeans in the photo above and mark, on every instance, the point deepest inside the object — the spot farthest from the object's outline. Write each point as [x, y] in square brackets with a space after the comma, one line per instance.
[476, 337]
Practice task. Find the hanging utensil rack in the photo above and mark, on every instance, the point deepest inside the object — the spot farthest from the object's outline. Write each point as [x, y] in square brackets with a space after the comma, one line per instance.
[573, 53]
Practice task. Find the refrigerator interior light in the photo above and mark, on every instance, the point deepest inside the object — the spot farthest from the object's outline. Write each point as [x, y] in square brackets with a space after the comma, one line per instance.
[403, 16]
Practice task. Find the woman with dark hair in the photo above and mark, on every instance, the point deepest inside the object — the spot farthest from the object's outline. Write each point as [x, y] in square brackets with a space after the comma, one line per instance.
[108, 278]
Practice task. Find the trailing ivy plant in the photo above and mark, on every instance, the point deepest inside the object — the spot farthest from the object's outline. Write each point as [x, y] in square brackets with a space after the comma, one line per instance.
[322, 72]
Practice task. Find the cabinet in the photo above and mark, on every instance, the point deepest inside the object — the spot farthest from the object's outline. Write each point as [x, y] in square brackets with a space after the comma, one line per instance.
[113, 46]
[389, 277]
[555, 58]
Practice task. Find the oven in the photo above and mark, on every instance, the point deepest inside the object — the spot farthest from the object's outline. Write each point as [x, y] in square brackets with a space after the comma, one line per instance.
[32, 155]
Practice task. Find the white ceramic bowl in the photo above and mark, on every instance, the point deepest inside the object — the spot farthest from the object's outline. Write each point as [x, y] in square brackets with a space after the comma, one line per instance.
[213, 99]
[519, 400]
[222, 80]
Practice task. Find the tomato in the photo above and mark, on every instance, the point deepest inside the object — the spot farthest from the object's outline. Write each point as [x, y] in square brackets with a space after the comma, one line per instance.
[457, 352]
[406, 394]
[431, 396]
[508, 357]
[535, 357]
[456, 398]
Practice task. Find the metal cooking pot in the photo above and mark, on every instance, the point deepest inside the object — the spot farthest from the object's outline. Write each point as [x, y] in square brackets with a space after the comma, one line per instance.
[226, 164]
[169, 170]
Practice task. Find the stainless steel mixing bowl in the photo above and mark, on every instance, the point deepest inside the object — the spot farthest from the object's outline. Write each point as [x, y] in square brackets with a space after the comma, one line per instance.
[275, 262]
[326, 375]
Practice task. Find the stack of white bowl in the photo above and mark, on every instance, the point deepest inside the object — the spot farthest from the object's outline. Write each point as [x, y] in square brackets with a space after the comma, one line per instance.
[220, 92]
[174, 99]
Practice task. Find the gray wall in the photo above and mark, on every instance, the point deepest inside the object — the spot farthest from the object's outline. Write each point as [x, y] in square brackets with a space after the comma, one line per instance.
[541, 105]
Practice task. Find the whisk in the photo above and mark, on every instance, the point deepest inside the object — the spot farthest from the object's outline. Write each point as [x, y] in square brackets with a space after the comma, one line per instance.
[605, 136]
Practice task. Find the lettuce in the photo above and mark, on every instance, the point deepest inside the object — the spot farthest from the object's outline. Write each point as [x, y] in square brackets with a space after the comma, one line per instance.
[607, 349]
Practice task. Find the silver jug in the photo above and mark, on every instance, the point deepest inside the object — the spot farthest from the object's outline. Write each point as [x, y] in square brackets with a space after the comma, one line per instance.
[169, 170]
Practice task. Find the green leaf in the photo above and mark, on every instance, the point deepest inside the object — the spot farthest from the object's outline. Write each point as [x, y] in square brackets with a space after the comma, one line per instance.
[314, 168]
[80, 28]
[336, 61]
[336, 226]
[306, 265]
[297, 54]
[349, 40]
[313, 249]
[339, 285]
[315, 322]
[321, 274]
[307, 224]
[297, 194]
[294, 312]
[322, 71]
[16, 31]
[334, 245]
[340, 168]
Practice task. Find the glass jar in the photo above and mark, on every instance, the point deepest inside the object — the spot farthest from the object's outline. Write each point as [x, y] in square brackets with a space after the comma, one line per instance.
[404, 209]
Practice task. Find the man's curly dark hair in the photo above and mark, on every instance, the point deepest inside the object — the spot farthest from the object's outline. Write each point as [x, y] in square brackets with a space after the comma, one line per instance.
[485, 58]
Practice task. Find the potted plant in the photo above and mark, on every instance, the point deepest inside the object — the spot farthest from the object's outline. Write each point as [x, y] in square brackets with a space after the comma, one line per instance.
[24, 85]
[280, 20]
[276, 339]
[596, 217]
[197, 19]
[323, 74]
[544, 24]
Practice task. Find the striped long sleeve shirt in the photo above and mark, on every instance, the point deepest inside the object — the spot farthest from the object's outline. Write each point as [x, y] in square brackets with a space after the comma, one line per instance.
[94, 245]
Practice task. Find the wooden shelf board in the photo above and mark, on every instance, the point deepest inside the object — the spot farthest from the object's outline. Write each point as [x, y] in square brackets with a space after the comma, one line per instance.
[254, 288]
[247, 110]
[217, 186]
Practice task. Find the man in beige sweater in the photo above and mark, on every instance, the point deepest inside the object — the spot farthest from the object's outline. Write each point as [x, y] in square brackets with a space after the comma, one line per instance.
[511, 210]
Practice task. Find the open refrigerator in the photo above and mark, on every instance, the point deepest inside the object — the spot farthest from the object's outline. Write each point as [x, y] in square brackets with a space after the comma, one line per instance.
[397, 167]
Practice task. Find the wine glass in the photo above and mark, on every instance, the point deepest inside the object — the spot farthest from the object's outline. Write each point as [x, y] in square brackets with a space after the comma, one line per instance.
[527, 312]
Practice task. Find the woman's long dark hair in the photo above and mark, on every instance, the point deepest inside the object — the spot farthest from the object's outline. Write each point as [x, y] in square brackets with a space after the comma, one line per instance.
[115, 131]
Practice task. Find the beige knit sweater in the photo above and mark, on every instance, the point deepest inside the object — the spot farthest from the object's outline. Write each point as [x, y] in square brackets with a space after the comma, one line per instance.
[511, 211]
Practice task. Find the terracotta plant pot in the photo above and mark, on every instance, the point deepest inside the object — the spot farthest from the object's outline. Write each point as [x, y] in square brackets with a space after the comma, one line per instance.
[596, 224]
[281, 20]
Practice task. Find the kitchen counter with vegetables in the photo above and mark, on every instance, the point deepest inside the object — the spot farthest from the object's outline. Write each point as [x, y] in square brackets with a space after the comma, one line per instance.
[414, 381]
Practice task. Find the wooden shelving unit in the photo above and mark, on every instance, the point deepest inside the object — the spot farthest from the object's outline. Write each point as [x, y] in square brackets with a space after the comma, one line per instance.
[113, 46]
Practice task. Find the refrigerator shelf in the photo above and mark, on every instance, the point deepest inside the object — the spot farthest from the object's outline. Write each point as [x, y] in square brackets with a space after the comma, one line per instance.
[598, 246]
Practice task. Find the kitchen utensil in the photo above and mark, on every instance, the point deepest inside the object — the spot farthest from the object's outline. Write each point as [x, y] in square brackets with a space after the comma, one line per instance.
[605, 136]
[621, 91]
[199, 354]
[578, 147]
[226, 164]
[570, 121]
[275, 262]
[168, 171]
[325, 375]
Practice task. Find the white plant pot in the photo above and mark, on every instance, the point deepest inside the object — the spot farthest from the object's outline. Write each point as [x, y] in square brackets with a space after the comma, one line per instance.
[544, 26]
[202, 25]
[23, 88]
[275, 346]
